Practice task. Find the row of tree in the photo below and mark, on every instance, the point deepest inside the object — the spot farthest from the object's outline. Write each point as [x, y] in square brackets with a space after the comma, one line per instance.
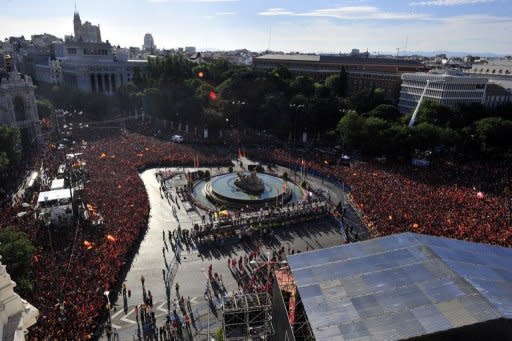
[220, 95]
[10, 153]
[465, 130]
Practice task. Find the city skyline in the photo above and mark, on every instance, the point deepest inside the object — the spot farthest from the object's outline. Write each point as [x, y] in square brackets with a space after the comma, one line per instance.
[472, 26]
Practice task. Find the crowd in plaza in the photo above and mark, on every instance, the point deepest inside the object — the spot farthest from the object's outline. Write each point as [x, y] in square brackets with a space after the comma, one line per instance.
[468, 201]
[70, 278]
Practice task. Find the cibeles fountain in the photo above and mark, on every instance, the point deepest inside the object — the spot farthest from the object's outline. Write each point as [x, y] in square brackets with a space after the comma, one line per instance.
[249, 190]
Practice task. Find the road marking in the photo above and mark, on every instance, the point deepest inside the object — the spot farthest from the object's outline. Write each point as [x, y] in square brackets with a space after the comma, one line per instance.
[193, 300]
[160, 307]
[119, 313]
[127, 320]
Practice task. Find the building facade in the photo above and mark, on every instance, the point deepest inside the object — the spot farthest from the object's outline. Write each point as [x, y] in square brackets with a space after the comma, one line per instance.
[149, 43]
[86, 32]
[18, 106]
[363, 72]
[16, 314]
[86, 63]
[447, 88]
[493, 68]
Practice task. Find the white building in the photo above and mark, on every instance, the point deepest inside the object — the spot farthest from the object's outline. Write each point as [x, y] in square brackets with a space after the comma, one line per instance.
[88, 64]
[16, 314]
[448, 88]
[50, 73]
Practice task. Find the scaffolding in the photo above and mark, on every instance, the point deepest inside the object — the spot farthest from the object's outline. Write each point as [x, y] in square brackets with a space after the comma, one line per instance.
[297, 317]
[247, 317]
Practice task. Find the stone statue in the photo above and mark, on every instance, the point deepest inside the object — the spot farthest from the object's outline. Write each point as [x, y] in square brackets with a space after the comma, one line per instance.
[251, 184]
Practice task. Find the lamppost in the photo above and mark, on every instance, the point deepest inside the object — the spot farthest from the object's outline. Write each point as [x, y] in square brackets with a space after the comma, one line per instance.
[207, 292]
[238, 104]
[109, 320]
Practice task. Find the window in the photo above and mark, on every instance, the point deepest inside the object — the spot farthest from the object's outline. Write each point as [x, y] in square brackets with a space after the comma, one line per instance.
[71, 50]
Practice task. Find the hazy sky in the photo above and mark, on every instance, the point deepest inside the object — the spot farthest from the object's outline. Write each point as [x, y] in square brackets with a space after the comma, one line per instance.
[292, 25]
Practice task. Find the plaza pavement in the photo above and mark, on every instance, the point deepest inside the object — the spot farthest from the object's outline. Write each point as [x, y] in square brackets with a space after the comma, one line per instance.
[191, 273]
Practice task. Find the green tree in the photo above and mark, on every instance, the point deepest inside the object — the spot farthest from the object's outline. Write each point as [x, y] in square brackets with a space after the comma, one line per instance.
[386, 112]
[303, 85]
[343, 84]
[17, 253]
[397, 138]
[495, 132]
[350, 127]
[282, 72]
[373, 135]
[10, 143]
[44, 107]
[435, 113]
[333, 84]
[425, 136]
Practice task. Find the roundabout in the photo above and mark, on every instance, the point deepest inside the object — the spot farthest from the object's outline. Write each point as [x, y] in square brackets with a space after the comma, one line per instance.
[246, 190]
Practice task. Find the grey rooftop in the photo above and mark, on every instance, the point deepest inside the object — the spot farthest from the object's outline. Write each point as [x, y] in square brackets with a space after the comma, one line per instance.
[402, 286]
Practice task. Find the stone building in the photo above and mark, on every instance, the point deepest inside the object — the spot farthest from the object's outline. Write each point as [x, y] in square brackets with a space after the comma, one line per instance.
[363, 72]
[86, 32]
[18, 107]
[16, 314]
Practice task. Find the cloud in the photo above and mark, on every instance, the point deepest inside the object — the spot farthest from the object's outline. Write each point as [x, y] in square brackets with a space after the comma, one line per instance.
[224, 13]
[469, 33]
[347, 13]
[447, 2]
[275, 12]
[208, 1]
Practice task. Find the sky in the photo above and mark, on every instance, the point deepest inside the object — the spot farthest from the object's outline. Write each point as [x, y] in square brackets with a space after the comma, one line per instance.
[321, 26]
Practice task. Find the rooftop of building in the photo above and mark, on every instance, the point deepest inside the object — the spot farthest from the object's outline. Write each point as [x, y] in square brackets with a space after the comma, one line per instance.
[402, 286]
[339, 59]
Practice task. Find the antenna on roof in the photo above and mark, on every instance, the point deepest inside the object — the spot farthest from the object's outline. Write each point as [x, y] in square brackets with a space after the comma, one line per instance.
[75, 7]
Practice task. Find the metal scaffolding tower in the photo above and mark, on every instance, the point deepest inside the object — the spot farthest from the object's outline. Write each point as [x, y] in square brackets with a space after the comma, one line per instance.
[247, 317]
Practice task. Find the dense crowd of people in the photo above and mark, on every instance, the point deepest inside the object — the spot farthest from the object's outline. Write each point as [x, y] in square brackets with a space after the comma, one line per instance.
[69, 278]
[73, 270]
[467, 201]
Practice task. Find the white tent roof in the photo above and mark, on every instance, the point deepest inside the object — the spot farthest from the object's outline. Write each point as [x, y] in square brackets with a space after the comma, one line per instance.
[57, 184]
[57, 194]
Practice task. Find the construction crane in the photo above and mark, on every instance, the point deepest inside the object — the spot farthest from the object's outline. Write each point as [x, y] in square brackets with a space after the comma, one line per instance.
[415, 113]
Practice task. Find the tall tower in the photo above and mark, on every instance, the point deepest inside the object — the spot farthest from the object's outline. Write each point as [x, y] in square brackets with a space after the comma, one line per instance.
[77, 24]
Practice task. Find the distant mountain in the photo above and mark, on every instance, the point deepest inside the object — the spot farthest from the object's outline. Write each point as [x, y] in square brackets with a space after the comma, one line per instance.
[451, 53]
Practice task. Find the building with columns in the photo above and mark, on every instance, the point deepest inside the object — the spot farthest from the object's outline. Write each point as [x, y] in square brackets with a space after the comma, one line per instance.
[18, 106]
[16, 314]
[88, 64]
[94, 68]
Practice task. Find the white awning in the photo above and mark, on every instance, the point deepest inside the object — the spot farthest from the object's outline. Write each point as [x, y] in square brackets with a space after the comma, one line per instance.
[57, 194]
[57, 184]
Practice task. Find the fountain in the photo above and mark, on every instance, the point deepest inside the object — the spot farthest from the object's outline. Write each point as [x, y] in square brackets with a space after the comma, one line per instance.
[249, 190]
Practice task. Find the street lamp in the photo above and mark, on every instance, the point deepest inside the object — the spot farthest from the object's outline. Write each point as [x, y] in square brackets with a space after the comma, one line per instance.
[109, 326]
[207, 290]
